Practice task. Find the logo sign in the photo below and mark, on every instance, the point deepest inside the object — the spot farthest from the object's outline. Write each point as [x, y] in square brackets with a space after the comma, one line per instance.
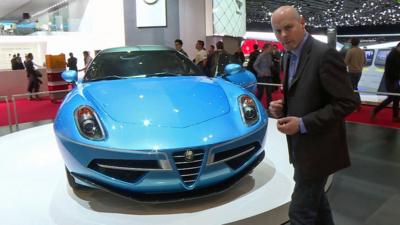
[150, 2]
[189, 155]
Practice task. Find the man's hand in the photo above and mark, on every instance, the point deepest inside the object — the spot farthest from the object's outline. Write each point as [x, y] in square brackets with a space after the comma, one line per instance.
[289, 125]
[275, 108]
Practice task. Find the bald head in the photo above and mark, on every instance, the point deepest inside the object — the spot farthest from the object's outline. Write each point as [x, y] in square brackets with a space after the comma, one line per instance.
[285, 11]
[288, 26]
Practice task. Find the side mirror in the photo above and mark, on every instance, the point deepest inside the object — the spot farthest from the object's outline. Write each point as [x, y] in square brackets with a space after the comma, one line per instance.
[231, 69]
[71, 76]
[236, 74]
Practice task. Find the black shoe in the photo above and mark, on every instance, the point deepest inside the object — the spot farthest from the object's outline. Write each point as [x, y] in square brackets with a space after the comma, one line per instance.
[373, 116]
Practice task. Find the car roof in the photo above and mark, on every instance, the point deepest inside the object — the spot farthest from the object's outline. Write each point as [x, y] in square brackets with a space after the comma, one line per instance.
[138, 48]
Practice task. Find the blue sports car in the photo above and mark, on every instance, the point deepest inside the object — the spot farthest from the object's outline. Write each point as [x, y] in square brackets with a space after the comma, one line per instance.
[147, 124]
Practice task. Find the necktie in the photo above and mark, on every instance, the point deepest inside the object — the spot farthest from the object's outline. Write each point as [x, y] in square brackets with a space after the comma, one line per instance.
[292, 67]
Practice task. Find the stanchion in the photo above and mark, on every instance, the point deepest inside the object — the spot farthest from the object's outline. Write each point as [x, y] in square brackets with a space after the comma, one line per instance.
[8, 112]
[14, 97]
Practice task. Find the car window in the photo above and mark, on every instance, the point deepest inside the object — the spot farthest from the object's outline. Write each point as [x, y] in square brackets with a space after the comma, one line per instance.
[140, 64]
[381, 57]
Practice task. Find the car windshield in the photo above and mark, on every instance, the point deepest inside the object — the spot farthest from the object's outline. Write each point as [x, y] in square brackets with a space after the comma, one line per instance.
[121, 65]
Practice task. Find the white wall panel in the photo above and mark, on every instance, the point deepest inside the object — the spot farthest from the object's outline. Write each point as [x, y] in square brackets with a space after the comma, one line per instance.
[151, 13]
[192, 25]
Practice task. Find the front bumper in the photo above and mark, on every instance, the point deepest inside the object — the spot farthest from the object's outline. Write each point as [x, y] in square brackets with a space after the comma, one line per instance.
[164, 175]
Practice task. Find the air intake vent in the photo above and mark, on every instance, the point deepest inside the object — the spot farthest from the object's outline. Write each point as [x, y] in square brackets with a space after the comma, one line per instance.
[188, 164]
[125, 170]
[236, 157]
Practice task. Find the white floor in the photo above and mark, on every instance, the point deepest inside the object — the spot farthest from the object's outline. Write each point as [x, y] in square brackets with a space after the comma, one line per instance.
[34, 190]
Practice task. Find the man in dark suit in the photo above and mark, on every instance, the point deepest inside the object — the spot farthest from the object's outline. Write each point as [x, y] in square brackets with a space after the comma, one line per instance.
[392, 81]
[317, 97]
[72, 62]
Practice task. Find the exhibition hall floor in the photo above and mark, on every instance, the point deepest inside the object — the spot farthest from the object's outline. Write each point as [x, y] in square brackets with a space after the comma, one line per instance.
[35, 190]
[368, 192]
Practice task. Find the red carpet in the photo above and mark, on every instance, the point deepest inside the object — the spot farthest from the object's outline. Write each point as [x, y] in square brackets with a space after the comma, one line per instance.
[383, 119]
[29, 111]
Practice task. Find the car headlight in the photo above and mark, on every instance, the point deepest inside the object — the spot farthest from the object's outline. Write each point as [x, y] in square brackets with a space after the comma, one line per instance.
[88, 123]
[248, 110]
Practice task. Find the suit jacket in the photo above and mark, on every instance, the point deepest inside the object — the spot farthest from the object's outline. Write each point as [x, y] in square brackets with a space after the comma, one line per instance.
[72, 63]
[322, 95]
[392, 71]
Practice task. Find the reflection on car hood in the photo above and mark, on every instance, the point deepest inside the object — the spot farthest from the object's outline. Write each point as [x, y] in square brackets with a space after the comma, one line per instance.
[159, 101]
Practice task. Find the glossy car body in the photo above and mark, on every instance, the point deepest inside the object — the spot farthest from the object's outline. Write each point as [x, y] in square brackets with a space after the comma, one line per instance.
[157, 134]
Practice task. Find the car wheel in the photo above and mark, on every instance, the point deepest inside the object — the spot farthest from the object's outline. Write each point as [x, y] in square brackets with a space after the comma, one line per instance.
[72, 183]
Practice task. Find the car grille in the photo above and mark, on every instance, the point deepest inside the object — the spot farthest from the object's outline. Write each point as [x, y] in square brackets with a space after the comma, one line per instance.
[236, 157]
[188, 168]
[125, 170]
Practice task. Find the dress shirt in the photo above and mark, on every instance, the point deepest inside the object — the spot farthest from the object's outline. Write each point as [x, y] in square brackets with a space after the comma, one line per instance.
[293, 64]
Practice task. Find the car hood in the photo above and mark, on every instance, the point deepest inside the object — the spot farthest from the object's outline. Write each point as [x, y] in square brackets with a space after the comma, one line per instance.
[159, 101]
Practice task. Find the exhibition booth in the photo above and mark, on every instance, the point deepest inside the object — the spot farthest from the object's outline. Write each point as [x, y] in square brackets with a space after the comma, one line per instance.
[36, 189]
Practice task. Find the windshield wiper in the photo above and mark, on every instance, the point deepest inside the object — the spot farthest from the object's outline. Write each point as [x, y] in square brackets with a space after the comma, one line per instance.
[113, 77]
[163, 74]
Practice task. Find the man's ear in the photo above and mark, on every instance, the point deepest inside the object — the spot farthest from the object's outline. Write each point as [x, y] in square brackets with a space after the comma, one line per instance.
[302, 21]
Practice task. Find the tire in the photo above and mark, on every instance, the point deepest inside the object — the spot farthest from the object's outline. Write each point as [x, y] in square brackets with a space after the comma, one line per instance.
[72, 183]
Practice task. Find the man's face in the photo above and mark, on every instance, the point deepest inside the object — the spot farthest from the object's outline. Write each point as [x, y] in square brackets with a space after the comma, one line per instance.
[198, 46]
[267, 49]
[289, 30]
[178, 46]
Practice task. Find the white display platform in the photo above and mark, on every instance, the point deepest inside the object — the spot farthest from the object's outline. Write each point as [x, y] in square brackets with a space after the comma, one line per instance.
[34, 190]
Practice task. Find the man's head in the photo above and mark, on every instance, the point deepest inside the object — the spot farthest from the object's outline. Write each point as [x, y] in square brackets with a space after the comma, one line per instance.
[199, 44]
[178, 44]
[85, 53]
[355, 41]
[211, 49]
[220, 45]
[289, 26]
[71, 55]
[29, 56]
[267, 47]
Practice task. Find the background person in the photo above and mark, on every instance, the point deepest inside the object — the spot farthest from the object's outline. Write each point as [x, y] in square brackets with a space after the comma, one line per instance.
[87, 59]
[72, 62]
[207, 68]
[201, 55]
[239, 55]
[178, 47]
[276, 67]
[392, 81]
[33, 77]
[14, 62]
[219, 59]
[19, 63]
[252, 58]
[355, 61]
[263, 66]
[317, 97]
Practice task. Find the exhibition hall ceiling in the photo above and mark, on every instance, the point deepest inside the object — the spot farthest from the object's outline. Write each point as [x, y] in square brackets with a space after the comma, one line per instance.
[8, 6]
[13, 9]
[331, 12]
